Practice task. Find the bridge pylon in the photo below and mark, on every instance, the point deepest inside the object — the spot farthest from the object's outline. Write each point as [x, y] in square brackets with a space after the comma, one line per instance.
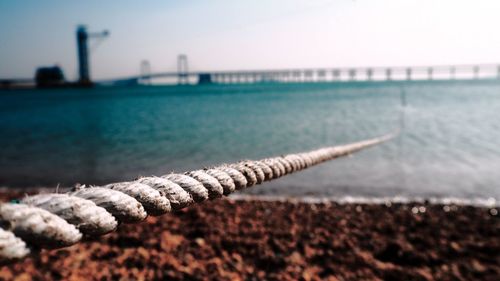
[369, 74]
[145, 72]
[476, 72]
[182, 69]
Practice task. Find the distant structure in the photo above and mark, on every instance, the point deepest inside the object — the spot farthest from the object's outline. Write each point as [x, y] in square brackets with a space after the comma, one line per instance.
[53, 76]
[82, 37]
[182, 69]
[322, 75]
[204, 78]
[48, 77]
[145, 72]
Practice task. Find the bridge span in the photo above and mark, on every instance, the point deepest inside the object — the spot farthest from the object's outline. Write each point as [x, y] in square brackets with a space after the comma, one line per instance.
[301, 75]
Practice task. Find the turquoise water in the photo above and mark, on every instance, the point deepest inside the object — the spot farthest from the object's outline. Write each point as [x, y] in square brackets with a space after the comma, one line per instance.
[450, 145]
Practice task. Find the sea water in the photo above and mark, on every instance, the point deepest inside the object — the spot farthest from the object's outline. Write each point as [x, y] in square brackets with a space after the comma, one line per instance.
[449, 145]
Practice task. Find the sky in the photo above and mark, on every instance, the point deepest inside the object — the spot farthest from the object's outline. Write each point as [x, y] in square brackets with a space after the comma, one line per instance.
[247, 34]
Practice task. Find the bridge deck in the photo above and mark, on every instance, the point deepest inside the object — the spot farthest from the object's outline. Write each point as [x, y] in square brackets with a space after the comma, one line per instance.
[462, 71]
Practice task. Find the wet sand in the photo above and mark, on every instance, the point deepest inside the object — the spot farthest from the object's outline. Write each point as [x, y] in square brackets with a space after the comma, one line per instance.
[262, 240]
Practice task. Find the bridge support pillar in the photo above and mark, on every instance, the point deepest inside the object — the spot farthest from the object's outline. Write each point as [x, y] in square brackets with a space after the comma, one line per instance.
[145, 73]
[352, 74]
[369, 74]
[321, 75]
[182, 70]
[336, 75]
[308, 76]
[408, 74]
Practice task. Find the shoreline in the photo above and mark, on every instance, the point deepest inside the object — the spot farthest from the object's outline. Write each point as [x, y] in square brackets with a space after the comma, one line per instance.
[243, 238]
[489, 202]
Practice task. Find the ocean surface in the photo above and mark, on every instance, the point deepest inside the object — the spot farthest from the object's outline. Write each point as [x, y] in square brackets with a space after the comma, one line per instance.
[449, 147]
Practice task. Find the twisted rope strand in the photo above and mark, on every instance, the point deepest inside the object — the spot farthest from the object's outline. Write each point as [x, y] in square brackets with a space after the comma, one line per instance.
[175, 194]
[151, 199]
[240, 181]
[38, 227]
[210, 183]
[59, 220]
[89, 218]
[11, 247]
[123, 207]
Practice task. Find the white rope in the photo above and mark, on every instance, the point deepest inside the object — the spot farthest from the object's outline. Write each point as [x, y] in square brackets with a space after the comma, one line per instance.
[89, 218]
[197, 192]
[224, 179]
[248, 173]
[123, 207]
[259, 174]
[37, 226]
[211, 184]
[11, 247]
[288, 167]
[240, 181]
[58, 220]
[153, 202]
[276, 166]
[178, 197]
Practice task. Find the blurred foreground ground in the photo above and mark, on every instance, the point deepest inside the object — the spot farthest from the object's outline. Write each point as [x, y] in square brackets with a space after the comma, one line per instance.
[257, 240]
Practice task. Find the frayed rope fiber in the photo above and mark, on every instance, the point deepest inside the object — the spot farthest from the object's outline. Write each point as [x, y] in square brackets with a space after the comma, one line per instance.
[57, 220]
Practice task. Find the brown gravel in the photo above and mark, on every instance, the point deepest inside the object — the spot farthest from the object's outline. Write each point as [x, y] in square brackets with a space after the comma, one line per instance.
[257, 240]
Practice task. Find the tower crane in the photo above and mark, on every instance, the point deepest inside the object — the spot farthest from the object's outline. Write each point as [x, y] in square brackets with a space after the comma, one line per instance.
[82, 38]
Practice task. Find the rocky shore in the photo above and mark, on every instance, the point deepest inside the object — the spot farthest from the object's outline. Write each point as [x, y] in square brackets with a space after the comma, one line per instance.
[262, 240]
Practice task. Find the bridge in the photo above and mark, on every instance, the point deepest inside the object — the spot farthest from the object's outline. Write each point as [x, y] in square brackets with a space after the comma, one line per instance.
[302, 75]
[295, 75]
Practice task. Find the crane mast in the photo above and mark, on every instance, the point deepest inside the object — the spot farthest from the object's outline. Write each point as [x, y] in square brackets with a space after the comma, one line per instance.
[82, 38]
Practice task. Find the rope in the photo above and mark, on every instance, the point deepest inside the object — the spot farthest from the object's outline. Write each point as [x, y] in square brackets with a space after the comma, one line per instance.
[59, 220]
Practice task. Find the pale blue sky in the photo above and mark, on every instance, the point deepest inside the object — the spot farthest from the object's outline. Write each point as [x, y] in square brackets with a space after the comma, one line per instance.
[253, 34]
